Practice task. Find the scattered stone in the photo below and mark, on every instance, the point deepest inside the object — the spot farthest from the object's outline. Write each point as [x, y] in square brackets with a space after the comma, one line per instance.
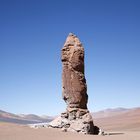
[38, 125]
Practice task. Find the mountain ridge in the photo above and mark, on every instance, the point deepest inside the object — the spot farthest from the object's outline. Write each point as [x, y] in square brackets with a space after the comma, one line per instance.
[106, 117]
[110, 112]
[23, 118]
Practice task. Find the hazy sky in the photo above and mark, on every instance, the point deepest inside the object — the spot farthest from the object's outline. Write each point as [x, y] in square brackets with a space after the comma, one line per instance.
[32, 33]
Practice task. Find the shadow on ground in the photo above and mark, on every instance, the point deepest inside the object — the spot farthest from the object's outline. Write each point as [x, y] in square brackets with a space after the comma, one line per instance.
[115, 133]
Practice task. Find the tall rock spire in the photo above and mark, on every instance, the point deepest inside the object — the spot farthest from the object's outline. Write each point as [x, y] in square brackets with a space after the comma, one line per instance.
[74, 90]
[73, 79]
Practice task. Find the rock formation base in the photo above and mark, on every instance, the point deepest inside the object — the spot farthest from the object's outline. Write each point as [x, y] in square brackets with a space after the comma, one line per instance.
[74, 120]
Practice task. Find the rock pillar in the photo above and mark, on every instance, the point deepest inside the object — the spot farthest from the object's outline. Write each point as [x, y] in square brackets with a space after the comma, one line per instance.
[73, 79]
[74, 90]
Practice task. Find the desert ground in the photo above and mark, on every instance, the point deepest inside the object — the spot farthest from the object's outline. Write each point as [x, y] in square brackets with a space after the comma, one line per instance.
[124, 125]
[9, 131]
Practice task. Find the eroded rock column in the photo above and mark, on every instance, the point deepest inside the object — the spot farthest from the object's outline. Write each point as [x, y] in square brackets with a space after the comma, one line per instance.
[73, 78]
[74, 90]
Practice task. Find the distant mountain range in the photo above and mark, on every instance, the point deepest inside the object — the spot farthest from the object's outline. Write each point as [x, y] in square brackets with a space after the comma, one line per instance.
[22, 118]
[118, 119]
[106, 119]
[110, 112]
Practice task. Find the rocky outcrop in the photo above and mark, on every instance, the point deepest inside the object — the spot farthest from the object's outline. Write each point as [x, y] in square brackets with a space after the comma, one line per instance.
[74, 90]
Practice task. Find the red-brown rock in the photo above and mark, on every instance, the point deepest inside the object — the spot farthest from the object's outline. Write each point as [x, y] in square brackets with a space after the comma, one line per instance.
[77, 117]
[74, 83]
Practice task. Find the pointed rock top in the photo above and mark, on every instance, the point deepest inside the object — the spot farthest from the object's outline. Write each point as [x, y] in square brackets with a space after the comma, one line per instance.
[71, 34]
[72, 40]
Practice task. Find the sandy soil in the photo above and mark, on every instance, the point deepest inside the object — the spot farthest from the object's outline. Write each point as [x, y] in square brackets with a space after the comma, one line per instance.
[20, 132]
[129, 121]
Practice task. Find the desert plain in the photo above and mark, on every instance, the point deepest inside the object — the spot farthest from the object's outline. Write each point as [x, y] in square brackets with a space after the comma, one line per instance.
[118, 126]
